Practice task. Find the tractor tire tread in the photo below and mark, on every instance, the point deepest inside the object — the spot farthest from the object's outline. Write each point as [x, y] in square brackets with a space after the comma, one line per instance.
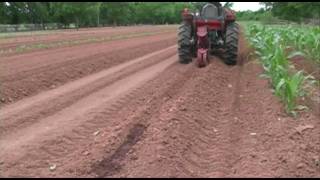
[231, 52]
[184, 44]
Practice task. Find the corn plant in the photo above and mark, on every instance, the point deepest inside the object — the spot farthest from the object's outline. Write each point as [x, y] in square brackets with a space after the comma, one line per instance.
[289, 88]
[270, 45]
[306, 40]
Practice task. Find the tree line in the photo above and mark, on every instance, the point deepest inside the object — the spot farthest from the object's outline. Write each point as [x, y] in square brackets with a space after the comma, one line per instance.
[91, 14]
[291, 11]
[86, 14]
[294, 11]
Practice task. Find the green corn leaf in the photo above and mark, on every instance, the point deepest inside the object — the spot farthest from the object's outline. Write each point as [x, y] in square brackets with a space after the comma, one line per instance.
[279, 86]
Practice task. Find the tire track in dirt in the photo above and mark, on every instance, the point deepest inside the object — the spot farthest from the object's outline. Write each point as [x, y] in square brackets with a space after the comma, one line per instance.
[205, 152]
[190, 139]
[218, 121]
[33, 108]
[76, 35]
[70, 117]
[22, 83]
[236, 133]
[112, 162]
[23, 49]
[125, 119]
[12, 112]
[42, 59]
[178, 136]
[110, 165]
[223, 122]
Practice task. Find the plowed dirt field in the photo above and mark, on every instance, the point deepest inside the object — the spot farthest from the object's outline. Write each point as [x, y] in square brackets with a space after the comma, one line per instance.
[125, 107]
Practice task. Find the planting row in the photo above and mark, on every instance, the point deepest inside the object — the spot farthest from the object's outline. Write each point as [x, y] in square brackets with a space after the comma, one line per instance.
[271, 45]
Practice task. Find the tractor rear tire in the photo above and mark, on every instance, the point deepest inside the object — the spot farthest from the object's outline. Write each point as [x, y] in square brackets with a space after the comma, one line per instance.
[184, 43]
[231, 48]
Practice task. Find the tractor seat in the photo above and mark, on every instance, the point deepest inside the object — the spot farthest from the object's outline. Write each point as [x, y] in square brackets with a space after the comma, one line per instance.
[210, 11]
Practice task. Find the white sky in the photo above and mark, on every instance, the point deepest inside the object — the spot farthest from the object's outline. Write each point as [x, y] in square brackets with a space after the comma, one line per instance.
[243, 6]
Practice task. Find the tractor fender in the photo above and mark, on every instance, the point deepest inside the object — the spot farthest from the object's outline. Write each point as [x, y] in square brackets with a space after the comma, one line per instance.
[230, 15]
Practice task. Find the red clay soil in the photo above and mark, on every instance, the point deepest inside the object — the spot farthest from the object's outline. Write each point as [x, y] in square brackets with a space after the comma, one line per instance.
[27, 74]
[68, 33]
[72, 35]
[153, 117]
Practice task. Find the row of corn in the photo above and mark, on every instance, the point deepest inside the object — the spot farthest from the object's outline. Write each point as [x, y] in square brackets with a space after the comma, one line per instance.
[306, 40]
[271, 44]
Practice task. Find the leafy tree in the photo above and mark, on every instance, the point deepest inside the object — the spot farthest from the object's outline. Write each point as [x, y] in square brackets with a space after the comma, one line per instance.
[3, 12]
[228, 5]
[294, 11]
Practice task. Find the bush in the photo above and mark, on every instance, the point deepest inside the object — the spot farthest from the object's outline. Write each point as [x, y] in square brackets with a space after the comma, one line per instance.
[268, 18]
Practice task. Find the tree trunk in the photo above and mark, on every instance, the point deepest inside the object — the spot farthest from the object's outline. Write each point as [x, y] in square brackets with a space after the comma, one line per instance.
[43, 26]
[77, 24]
[98, 18]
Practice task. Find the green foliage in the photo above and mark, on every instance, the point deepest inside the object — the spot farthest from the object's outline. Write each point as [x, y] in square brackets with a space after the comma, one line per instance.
[305, 39]
[123, 13]
[291, 11]
[268, 18]
[294, 11]
[251, 15]
[228, 5]
[92, 14]
[86, 14]
[271, 44]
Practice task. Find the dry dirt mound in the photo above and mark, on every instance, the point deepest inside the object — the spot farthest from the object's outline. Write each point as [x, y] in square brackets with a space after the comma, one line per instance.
[149, 116]
[30, 73]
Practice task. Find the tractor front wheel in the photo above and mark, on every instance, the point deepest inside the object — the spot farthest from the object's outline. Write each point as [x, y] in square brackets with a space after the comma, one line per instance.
[231, 44]
[184, 43]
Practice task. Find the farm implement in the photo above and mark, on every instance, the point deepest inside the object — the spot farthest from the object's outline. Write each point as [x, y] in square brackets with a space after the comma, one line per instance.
[206, 32]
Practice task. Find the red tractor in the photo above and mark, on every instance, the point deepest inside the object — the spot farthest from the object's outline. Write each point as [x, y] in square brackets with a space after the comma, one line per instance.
[205, 33]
